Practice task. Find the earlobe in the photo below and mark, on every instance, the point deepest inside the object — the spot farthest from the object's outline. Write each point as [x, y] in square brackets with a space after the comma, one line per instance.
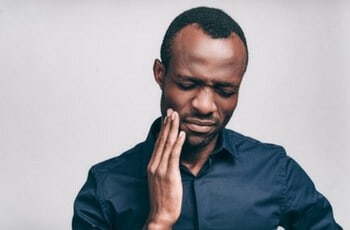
[159, 72]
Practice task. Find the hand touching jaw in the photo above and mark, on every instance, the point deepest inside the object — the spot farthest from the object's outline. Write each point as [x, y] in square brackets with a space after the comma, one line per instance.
[164, 178]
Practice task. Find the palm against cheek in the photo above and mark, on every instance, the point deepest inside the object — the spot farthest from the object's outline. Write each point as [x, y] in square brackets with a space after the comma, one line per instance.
[164, 178]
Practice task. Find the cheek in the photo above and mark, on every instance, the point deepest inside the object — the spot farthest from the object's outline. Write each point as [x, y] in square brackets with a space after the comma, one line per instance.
[176, 99]
[228, 106]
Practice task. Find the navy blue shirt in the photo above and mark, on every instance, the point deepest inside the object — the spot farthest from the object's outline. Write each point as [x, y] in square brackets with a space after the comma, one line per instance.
[245, 184]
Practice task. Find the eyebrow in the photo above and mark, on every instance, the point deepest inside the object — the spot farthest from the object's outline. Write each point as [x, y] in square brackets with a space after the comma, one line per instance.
[215, 83]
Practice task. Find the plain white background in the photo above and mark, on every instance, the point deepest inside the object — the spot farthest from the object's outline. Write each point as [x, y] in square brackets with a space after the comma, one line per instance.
[76, 88]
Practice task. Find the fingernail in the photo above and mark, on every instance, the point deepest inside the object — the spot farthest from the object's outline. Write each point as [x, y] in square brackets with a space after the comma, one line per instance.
[181, 134]
[173, 116]
[168, 112]
[165, 120]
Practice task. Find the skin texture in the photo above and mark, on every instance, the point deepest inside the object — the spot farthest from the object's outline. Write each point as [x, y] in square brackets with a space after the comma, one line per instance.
[199, 94]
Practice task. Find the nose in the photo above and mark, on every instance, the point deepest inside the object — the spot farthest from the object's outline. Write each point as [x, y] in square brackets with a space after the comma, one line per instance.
[204, 102]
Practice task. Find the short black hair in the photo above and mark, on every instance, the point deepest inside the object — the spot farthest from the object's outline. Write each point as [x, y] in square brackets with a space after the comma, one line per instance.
[214, 22]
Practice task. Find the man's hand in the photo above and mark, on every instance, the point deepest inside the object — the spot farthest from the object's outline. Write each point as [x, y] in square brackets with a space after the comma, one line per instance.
[164, 178]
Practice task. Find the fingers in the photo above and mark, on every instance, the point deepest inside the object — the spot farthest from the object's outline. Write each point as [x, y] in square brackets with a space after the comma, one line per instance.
[170, 142]
[168, 146]
[174, 160]
[160, 142]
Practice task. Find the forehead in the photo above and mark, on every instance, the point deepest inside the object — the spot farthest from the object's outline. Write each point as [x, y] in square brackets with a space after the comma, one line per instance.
[196, 53]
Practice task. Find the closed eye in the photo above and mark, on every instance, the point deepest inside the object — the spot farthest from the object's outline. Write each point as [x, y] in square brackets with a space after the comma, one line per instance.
[186, 86]
[226, 92]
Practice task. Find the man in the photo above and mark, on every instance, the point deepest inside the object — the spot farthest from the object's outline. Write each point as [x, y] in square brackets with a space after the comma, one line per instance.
[191, 172]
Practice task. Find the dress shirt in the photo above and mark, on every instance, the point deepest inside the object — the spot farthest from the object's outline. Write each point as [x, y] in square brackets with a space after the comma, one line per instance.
[244, 185]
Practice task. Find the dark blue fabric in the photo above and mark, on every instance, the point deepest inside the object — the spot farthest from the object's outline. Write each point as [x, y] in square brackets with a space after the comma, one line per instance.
[245, 184]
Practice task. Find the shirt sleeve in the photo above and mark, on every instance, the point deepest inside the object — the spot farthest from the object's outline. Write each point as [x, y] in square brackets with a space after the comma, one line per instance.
[304, 207]
[88, 208]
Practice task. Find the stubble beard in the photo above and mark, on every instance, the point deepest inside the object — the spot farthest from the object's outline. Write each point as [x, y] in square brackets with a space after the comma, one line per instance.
[196, 142]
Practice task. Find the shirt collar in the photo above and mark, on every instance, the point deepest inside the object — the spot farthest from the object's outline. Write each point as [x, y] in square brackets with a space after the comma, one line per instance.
[225, 144]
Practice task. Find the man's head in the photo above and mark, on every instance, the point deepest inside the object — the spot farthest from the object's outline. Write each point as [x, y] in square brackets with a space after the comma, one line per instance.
[204, 57]
[214, 22]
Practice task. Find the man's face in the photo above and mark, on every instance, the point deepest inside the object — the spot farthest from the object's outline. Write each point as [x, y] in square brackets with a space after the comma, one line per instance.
[202, 82]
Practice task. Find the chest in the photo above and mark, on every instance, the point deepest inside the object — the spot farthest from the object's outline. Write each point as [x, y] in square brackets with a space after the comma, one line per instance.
[228, 204]
[218, 199]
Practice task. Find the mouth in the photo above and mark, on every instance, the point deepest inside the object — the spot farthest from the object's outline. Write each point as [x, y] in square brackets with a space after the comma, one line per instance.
[199, 126]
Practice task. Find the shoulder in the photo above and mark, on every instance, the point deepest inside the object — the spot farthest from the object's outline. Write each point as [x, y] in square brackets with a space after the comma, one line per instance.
[128, 162]
[247, 146]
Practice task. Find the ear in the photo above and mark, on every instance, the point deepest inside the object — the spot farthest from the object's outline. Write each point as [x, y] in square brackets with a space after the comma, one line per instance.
[159, 72]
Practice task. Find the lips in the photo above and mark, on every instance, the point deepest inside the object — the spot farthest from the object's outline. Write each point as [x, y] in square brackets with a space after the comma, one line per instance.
[199, 126]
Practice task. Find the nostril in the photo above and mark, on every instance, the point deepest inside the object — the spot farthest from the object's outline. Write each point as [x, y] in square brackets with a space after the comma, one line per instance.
[204, 102]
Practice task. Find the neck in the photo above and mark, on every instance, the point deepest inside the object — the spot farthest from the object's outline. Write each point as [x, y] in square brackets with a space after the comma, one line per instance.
[194, 158]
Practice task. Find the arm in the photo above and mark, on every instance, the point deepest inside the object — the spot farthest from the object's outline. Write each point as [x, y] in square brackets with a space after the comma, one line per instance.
[304, 207]
[88, 212]
[164, 178]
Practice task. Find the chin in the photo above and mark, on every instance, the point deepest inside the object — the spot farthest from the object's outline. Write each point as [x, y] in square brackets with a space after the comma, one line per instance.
[198, 142]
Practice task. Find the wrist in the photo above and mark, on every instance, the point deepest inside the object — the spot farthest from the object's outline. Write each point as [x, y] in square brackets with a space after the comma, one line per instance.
[156, 226]
[153, 224]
